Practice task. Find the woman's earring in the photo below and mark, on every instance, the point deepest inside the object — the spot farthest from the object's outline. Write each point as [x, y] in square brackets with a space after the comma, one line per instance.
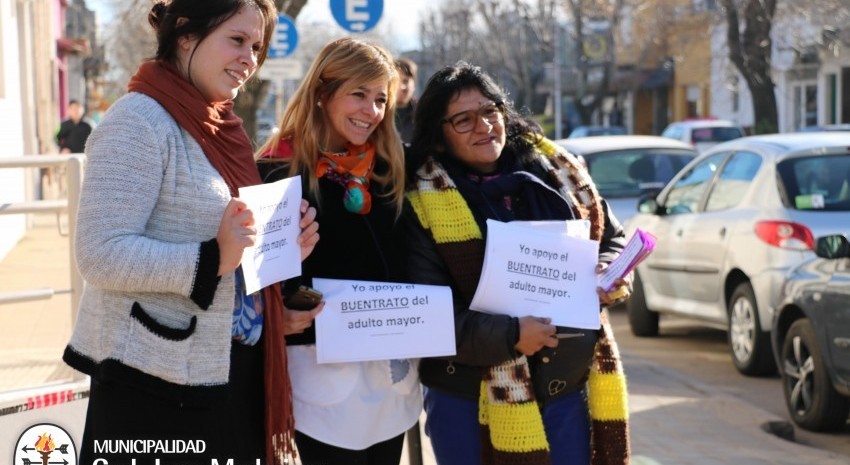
[319, 104]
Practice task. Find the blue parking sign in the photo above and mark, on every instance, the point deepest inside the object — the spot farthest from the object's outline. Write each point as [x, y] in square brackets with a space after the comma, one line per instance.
[285, 38]
[357, 15]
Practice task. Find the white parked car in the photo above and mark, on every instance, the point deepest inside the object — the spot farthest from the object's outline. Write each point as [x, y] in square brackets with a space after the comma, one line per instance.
[729, 227]
[703, 134]
[625, 168]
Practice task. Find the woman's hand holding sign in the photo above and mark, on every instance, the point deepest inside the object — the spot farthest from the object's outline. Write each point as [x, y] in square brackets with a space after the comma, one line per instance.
[309, 229]
[235, 232]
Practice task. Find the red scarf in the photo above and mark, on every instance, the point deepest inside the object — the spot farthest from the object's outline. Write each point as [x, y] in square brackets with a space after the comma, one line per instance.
[221, 136]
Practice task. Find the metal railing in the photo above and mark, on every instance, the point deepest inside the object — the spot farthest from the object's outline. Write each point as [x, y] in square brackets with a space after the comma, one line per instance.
[74, 165]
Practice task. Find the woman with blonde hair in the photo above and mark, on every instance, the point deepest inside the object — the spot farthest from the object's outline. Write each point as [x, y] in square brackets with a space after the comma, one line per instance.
[338, 134]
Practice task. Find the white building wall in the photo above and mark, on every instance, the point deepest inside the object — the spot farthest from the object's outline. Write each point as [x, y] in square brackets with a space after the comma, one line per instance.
[12, 181]
[785, 72]
[723, 76]
[831, 64]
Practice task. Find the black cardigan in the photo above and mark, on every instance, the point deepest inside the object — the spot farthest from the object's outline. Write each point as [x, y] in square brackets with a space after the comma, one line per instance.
[351, 246]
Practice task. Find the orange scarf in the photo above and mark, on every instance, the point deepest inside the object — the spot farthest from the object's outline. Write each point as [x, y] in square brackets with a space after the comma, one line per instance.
[351, 169]
[221, 136]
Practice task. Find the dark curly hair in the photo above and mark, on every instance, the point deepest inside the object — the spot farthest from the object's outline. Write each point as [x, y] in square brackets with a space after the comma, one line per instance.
[445, 85]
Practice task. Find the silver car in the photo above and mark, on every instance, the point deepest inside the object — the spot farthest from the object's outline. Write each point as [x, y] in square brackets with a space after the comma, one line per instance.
[624, 168]
[729, 227]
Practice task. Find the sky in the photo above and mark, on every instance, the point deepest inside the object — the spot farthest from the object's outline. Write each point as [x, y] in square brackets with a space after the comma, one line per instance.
[400, 18]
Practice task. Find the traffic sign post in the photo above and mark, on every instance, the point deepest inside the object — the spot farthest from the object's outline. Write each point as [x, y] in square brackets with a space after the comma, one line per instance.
[277, 67]
[357, 15]
[285, 38]
[281, 68]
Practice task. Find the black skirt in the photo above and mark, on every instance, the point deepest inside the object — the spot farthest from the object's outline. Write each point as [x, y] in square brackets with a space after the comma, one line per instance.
[125, 423]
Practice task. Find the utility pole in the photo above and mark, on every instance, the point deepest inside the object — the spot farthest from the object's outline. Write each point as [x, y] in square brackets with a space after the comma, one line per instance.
[556, 65]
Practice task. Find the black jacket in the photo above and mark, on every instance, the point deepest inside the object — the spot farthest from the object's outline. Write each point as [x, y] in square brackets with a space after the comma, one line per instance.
[485, 339]
[351, 246]
[73, 135]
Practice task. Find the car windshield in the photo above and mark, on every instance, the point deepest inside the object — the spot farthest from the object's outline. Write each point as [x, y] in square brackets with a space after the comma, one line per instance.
[719, 134]
[816, 183]
[634, 172]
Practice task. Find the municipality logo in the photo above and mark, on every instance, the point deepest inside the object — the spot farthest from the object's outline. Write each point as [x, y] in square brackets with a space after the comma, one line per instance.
[45, 444]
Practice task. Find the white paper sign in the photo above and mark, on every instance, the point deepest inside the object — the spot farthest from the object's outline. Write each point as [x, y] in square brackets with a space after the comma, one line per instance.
[530, 271]
[364, 320]
[276, 255]
[573, 228]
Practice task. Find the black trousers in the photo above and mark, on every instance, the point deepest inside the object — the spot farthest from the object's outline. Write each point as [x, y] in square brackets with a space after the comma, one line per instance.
[120, 417]
[314, 452]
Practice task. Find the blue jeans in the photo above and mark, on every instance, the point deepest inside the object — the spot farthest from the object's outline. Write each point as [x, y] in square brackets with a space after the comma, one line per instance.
[452, 425]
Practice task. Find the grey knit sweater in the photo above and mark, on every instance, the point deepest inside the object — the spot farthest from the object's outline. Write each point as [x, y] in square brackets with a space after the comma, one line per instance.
[150, 208]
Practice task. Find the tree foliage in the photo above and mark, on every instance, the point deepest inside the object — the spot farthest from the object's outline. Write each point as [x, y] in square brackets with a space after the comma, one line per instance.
[510, 39]
[514, 41]
[589, 98]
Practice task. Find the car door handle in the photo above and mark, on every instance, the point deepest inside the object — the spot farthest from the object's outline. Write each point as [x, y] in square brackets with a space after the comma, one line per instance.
[723, 231]
[679, 233]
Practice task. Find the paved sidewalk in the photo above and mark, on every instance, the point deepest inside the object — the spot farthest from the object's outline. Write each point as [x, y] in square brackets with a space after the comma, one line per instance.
[33, 334]
[675, 420]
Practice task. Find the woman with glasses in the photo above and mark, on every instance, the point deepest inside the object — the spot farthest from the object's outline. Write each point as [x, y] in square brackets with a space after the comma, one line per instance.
[515, 392]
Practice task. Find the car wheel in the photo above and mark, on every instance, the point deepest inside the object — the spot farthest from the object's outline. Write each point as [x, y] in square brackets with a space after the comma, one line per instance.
[643, 321]
[749, 345]
[812, 401]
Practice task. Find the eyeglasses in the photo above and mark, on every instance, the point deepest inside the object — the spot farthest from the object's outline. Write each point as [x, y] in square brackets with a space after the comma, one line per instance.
[466, 121]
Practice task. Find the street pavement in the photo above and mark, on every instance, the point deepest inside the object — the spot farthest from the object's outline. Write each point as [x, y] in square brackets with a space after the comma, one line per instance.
[675, 419]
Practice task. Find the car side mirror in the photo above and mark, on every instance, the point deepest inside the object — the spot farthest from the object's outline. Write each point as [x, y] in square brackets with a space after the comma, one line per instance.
[832, 246]
[648, 204]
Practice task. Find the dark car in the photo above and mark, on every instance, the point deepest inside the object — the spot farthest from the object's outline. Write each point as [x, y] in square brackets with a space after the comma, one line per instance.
[811, 337]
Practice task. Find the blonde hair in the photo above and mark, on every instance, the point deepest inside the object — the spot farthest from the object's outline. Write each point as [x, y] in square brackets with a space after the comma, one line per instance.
[341, 66]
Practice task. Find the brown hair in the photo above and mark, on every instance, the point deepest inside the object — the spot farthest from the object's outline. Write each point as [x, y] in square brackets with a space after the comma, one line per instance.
[406, 66]
[201, 18]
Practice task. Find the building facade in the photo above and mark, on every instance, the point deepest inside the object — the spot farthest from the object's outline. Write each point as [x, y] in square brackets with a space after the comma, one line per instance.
[811, 74]
[34, 79]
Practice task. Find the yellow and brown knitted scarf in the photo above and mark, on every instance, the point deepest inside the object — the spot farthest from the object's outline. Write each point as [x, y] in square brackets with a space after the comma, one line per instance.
[512, 426]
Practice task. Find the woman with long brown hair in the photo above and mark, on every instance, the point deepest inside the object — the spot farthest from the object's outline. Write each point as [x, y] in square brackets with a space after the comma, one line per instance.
[159, 241]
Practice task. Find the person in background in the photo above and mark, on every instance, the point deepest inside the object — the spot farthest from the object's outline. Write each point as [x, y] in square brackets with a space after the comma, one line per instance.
[74, 131]
[338, 134]
[515, 392]
[405, 101]
[159, 242]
